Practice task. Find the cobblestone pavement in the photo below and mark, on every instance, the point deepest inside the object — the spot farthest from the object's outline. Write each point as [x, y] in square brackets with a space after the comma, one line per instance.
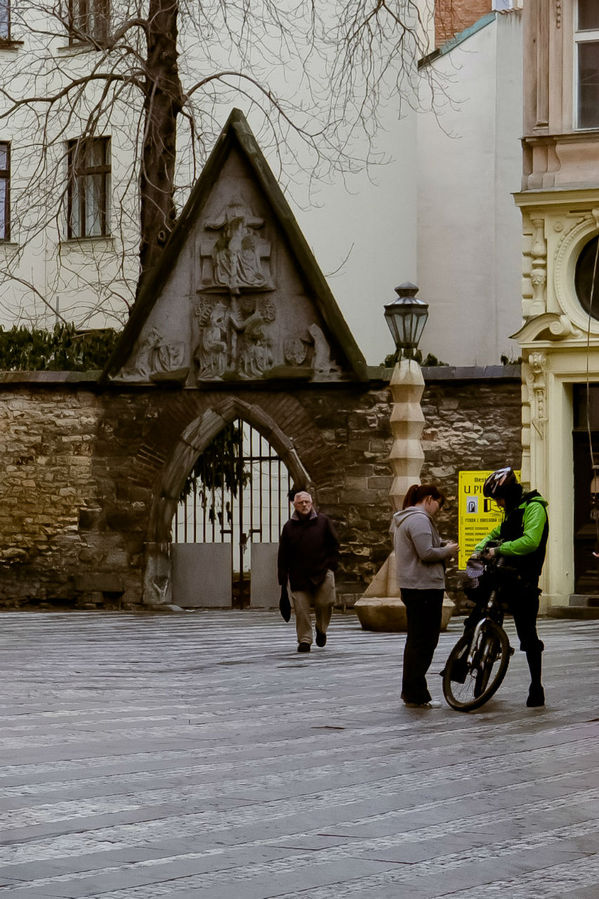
[197, 755]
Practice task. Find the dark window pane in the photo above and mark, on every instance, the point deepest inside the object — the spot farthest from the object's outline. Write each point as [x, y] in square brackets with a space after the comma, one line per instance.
[90, 18]
[586, 406]
[588, 14]
[586, 278]
[3, 208]
[4, 19]
[588, 85]
[89, 185]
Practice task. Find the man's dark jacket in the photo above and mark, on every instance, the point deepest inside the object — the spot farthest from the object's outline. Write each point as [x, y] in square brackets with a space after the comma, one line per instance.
[307, 548]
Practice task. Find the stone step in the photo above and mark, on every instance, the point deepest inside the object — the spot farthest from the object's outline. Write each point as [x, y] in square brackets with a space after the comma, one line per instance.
[584, 599]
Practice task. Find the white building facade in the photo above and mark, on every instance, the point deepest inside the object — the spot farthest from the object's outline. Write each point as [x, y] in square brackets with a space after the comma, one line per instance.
[559, 203]
[438, 212]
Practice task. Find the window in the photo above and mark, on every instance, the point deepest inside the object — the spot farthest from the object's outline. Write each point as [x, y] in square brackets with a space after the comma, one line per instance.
[4, 20]
[89, 20]
[88, 187]
[4, 191]
[586, 278]
[586, 39]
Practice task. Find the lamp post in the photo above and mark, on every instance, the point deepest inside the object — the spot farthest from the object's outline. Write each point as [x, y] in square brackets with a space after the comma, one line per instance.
[406, 317]
[381, 608]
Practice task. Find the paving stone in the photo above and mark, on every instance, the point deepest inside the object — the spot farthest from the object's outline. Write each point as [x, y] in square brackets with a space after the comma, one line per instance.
[194, 755]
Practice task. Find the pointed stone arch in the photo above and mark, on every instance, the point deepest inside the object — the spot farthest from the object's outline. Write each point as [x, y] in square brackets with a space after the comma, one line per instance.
[193, 440]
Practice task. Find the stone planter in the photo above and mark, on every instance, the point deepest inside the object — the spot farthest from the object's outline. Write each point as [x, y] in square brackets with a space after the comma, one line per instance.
[381, 608]
[388, 613]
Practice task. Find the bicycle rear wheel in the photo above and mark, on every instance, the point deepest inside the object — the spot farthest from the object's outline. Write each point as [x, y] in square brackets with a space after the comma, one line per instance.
[474, 673]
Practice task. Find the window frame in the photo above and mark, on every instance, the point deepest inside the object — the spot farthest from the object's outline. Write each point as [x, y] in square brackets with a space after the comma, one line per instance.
[89, 21]
[78, 170]
[5, 176]
[581, 36]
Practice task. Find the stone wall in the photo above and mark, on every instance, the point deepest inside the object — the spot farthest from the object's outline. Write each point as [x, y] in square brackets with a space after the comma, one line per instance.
[473, 422]
[87, 471]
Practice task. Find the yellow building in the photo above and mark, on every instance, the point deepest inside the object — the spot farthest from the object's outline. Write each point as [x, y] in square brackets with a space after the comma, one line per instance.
[559, 202]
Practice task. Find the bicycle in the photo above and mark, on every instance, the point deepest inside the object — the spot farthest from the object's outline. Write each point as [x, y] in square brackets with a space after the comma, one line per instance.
[478, 662]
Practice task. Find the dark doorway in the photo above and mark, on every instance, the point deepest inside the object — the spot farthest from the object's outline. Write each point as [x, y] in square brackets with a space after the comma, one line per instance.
[586, 488]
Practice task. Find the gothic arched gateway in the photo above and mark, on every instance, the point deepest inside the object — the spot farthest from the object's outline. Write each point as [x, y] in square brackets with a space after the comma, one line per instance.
[237, 305]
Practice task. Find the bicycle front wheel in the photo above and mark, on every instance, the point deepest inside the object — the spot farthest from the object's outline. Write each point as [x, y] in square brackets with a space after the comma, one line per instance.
[473, 673]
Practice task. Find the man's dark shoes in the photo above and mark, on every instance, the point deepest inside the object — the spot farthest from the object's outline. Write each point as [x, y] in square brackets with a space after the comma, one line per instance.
[303, 647]
[536, 698]
[321, 638]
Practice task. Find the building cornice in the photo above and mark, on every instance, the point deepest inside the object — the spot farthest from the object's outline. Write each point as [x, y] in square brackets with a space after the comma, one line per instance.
[581, 195]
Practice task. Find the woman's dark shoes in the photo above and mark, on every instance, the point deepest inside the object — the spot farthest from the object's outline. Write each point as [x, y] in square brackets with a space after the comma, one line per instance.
[536, 697]
[321, 638]
[303, 647]
[422, 705]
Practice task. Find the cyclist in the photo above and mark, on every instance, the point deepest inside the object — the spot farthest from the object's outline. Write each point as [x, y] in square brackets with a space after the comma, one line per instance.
[523, 535]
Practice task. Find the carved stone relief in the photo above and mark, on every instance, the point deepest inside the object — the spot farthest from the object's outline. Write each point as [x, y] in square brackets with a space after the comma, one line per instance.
[237, 257]
[210, 354]
[321, 362]
[536, 380]
[295, 350]
[237, 323]
[234, 337]
[156, 359]
[538, 272]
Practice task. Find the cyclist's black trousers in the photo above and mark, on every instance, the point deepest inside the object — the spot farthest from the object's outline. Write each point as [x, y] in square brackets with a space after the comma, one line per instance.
[522, 600]
[523, 603]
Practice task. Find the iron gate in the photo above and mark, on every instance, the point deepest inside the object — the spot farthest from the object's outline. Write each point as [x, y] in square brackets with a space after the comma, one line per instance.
[238, 507]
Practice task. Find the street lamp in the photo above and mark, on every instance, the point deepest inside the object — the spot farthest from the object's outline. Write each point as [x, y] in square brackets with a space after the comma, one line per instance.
[380, 608]
[406, 317]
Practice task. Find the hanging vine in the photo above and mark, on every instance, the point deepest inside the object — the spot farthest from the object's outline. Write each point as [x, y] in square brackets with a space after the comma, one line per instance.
[219, 468]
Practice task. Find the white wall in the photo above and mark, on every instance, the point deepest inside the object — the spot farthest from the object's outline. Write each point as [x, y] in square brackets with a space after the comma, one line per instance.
[368, 233]
[469, 163]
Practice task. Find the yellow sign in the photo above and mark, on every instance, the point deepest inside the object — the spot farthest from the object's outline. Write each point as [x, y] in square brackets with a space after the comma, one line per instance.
[477, 515]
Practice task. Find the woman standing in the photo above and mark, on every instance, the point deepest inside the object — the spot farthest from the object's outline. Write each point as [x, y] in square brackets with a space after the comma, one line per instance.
[420, 555]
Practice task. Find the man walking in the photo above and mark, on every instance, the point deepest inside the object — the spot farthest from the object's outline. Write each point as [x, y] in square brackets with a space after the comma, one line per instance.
[308, 556]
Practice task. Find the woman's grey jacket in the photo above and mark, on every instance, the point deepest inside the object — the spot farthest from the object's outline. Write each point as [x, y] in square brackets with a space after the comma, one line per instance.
[419, 551]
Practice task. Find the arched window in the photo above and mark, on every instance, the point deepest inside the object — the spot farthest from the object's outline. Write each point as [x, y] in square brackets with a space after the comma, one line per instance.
[586, 278]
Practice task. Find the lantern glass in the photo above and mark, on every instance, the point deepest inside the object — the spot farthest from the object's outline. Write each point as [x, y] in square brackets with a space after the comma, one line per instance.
[406, 317]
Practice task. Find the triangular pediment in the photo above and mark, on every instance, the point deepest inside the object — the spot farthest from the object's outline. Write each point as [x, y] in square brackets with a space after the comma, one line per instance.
[237, 294]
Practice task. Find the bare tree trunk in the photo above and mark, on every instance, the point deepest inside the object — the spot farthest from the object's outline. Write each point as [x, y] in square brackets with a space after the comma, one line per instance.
[162, 105]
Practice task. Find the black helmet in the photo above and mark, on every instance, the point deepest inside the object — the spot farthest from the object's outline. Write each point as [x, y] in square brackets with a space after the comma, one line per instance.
[500, 484]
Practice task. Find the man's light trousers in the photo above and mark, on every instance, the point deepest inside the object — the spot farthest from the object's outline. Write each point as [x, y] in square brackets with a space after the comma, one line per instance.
[322, 598]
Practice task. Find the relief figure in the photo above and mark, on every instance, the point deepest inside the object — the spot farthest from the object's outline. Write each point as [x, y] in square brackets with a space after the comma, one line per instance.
[253, 346]
[210, 354]
[236, 256]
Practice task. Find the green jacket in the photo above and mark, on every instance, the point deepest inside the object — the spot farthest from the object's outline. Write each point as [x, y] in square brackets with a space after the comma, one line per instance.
[523, 532]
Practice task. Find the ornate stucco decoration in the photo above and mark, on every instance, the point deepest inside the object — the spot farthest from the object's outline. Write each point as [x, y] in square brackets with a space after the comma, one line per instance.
[538, 268]
[548, 326]
[566, 256]
[536, 380]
